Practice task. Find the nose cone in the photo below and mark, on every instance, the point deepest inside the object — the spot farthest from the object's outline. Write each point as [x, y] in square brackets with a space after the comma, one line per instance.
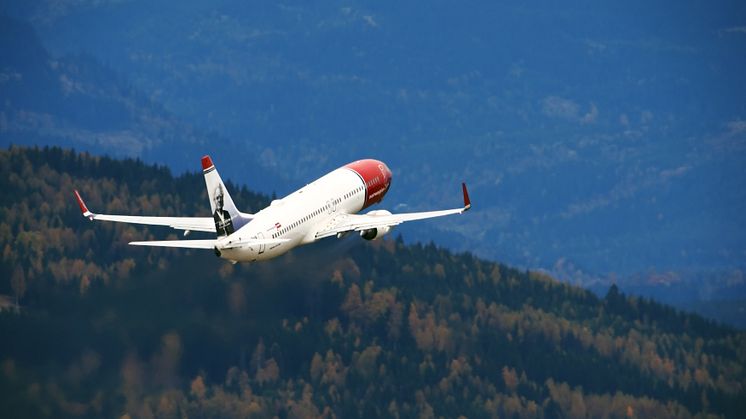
[387, 176]
[386, 172]
[376, 178]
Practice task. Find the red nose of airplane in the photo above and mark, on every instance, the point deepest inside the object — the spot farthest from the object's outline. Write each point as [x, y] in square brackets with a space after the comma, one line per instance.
[376, 177]
[387, 175]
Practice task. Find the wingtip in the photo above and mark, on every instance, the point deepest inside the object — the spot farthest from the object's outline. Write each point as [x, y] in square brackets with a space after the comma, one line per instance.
[83, 208]
[206, 162]
[467, 201]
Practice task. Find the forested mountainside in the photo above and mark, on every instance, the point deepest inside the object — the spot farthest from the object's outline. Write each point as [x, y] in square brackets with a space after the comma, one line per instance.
[344, 328]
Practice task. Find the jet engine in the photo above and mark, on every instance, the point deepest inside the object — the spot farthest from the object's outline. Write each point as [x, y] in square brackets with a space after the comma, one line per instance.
[378, 232]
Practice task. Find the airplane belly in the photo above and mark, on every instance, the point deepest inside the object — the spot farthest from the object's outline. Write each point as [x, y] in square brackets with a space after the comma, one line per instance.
[239, 255]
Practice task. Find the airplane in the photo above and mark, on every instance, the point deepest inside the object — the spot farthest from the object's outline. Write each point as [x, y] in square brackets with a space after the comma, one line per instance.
[326, 207]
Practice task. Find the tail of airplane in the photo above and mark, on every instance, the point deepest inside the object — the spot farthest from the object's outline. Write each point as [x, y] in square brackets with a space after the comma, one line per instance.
[227, 217]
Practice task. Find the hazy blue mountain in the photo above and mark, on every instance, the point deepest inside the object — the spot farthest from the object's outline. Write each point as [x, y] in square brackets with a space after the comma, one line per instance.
[74, 101]
[597, 140]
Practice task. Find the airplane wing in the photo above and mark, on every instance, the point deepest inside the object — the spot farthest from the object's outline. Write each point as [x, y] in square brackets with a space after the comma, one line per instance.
[206, 224]
[344, 223]
[188, 244]
[209, 244]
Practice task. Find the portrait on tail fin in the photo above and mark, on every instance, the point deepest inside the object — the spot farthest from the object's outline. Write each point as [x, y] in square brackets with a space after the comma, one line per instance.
[223, 222]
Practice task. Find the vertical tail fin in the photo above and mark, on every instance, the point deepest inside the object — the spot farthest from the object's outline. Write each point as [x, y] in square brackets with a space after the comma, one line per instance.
[224, 211]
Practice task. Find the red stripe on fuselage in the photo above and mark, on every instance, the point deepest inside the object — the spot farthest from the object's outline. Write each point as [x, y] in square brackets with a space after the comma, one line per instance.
[376, 177]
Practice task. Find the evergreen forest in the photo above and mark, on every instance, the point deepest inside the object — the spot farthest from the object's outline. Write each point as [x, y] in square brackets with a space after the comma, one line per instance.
[93, 327]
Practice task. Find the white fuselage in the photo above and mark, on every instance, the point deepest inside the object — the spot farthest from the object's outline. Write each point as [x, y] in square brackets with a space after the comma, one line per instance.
[298, 216]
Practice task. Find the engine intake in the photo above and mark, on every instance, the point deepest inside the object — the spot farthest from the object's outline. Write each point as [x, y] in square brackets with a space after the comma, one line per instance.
[370, 234]
[375, 233]
[378, 232]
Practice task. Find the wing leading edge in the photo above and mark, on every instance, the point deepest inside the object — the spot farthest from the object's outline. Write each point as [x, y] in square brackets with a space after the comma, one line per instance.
[344, 223]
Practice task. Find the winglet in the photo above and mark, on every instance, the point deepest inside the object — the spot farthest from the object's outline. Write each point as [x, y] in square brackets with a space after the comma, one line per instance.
[206, 163]
[83, 207]
[467, 201]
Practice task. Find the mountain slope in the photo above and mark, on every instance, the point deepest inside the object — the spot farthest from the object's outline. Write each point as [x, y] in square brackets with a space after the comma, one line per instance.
[343, 328]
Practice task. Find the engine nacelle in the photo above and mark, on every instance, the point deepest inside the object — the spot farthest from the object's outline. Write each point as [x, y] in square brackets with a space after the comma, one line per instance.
[378, 232]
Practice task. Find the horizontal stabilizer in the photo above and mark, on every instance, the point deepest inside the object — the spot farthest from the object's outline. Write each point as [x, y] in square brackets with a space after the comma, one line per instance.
[188, 244]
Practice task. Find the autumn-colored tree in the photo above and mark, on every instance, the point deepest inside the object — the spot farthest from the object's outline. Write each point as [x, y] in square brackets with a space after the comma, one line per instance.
[353, 303]
[18, 284]
[510, 378]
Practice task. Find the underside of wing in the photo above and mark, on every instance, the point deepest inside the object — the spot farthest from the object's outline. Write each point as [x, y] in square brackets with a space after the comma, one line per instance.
[360, 222]
[210, 244]
[187, 244]
[343, 223]
[206, 224]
